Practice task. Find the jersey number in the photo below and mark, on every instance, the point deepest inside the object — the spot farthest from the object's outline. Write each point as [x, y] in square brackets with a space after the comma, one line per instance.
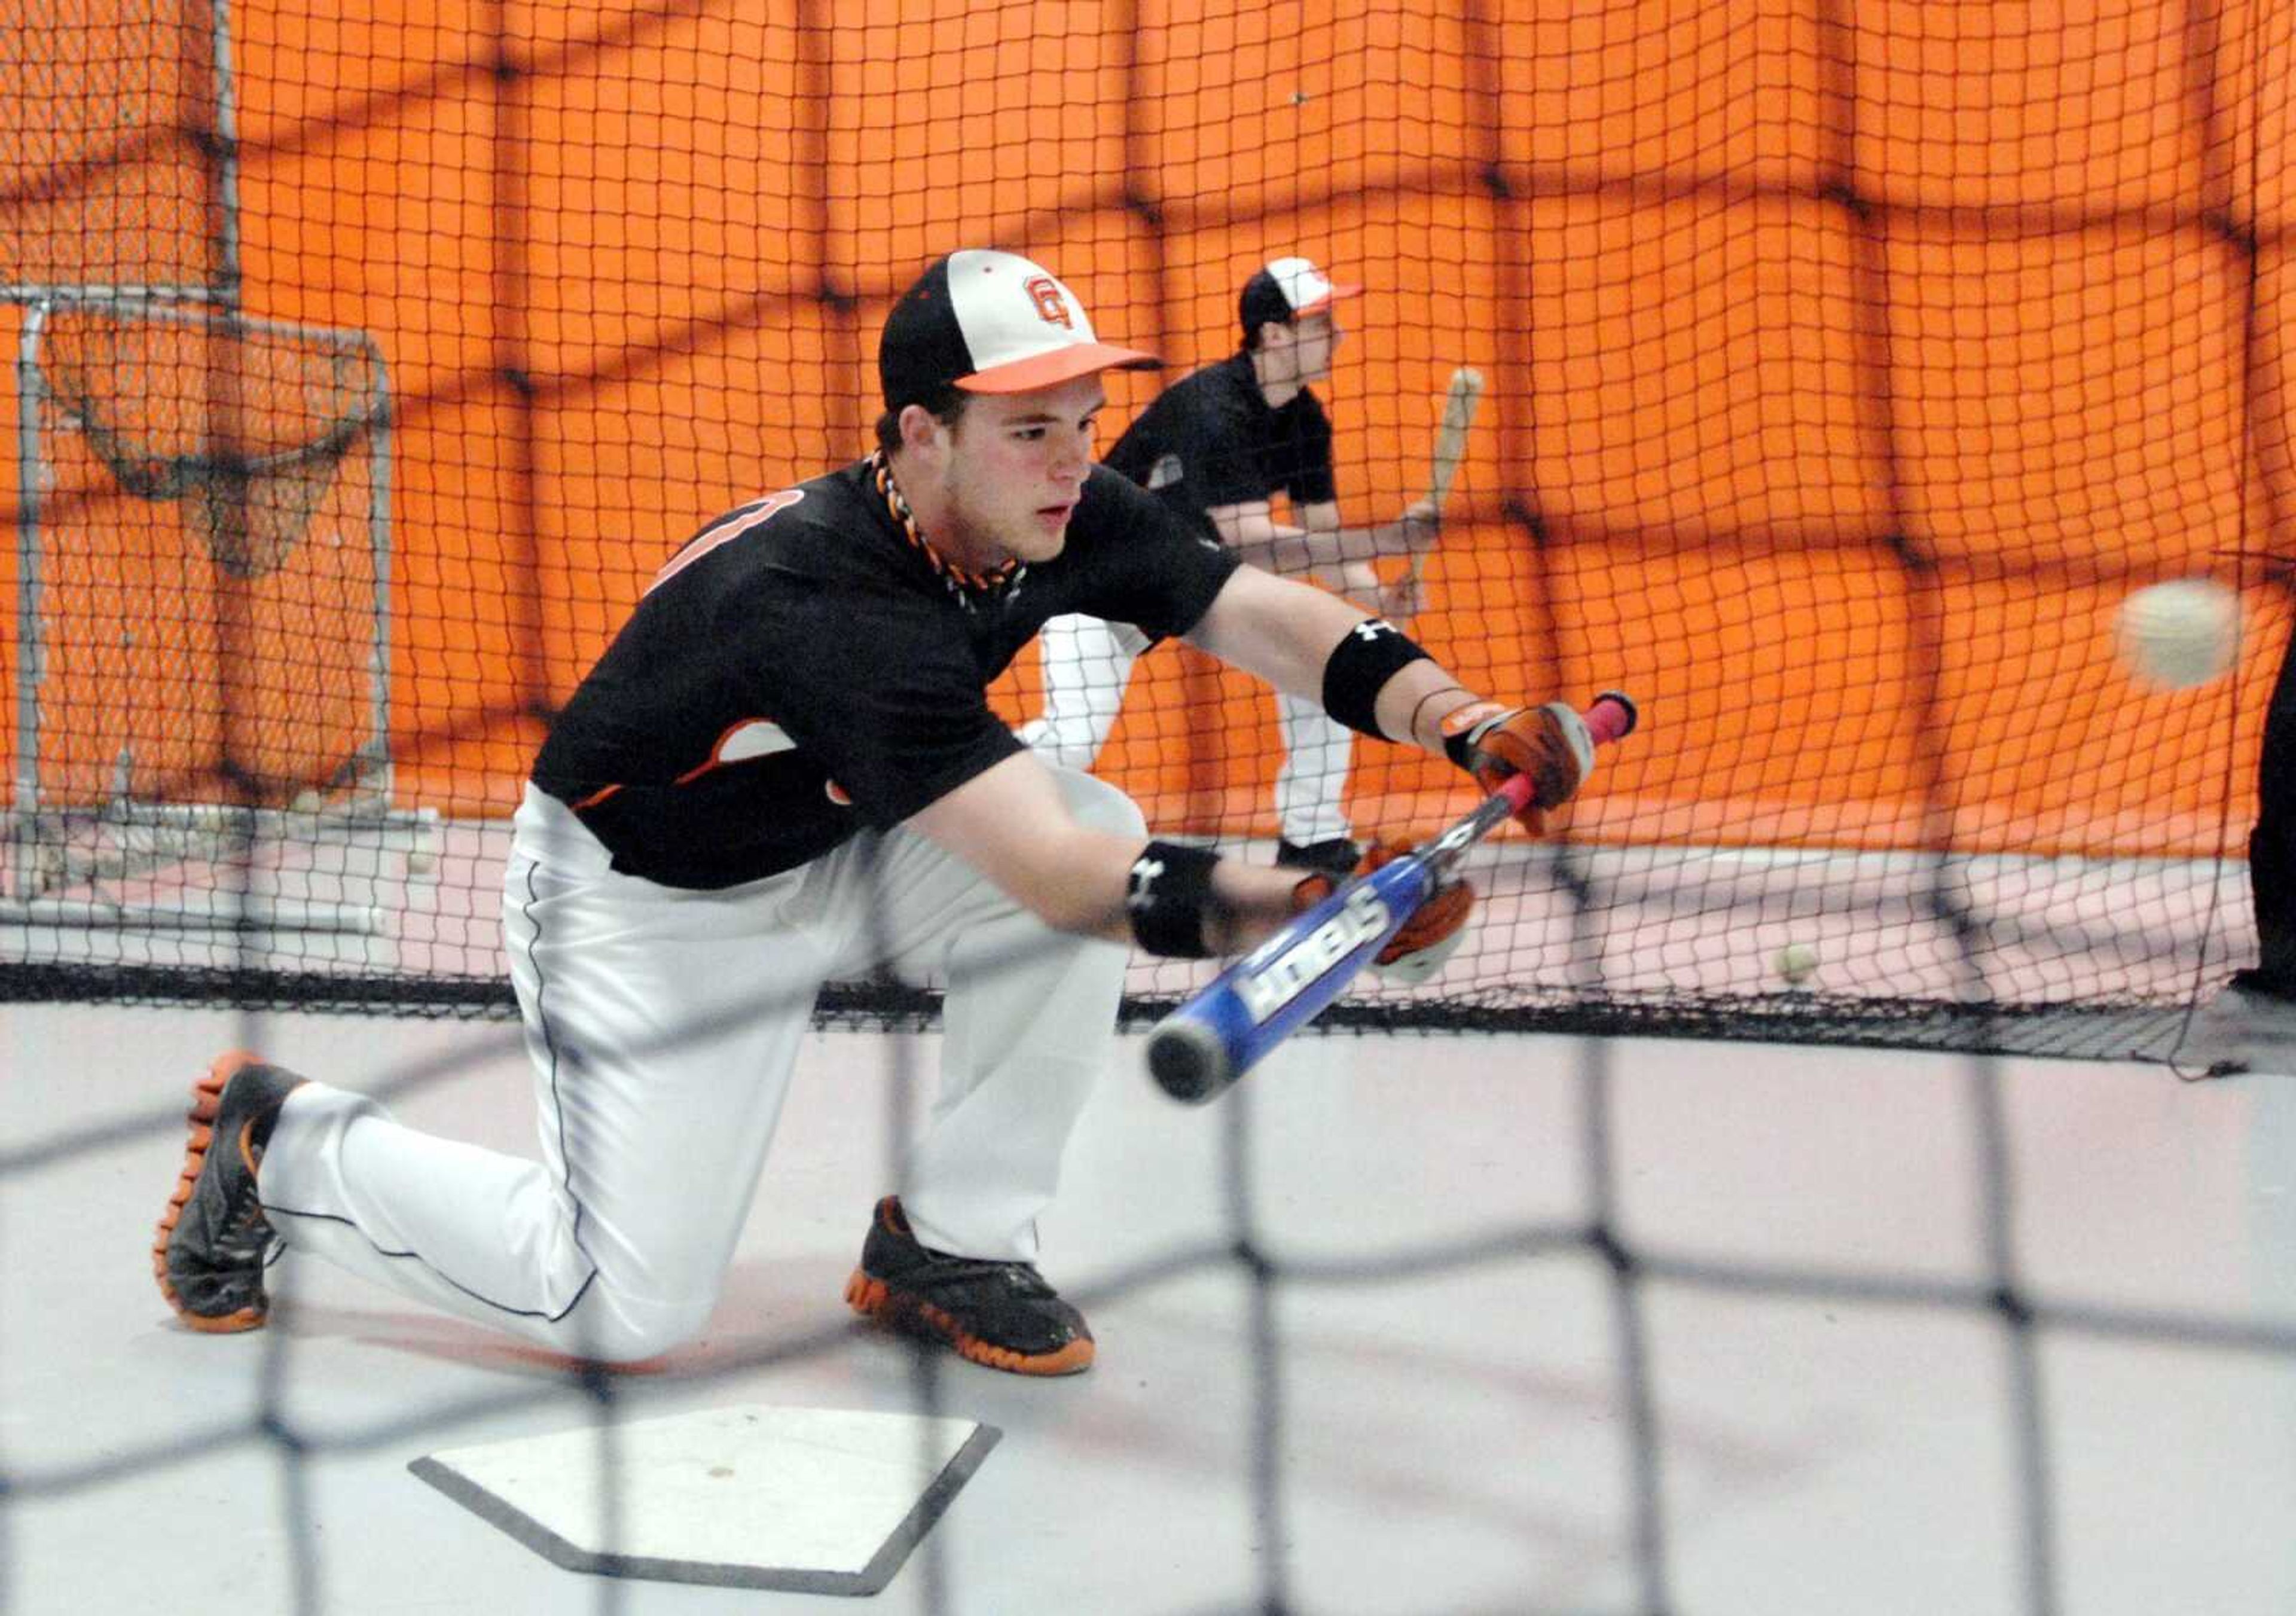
[702, 543]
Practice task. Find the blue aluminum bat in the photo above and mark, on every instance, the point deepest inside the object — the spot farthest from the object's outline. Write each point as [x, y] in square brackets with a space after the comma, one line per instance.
[1196, 1051]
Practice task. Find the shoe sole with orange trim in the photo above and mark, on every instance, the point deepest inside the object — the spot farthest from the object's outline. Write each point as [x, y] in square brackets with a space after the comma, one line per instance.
[209, 1252]
[875, 1300]
[999, 1314]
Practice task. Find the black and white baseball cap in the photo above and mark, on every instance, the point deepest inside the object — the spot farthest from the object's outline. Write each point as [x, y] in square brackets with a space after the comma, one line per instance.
[1284, 289]
[990, 323]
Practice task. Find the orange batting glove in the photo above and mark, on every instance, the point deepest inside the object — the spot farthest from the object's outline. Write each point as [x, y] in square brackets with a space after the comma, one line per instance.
[1425, 941]
[1549, 743]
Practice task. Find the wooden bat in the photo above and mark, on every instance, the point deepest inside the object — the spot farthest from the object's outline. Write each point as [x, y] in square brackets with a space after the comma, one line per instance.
[1459, 402]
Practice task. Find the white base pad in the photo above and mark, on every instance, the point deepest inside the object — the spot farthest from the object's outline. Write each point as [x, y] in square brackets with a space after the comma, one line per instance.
[812, 1500]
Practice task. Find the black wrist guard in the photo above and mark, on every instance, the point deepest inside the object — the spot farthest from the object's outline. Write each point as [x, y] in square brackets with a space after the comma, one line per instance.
[1360, 665]
[1168, 898]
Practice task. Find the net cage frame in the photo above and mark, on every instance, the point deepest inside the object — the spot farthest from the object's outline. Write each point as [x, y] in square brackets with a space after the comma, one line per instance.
[218, 144]
[358, 805]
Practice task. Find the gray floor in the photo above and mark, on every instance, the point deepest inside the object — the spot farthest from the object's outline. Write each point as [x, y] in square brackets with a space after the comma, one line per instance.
[1833, 1423]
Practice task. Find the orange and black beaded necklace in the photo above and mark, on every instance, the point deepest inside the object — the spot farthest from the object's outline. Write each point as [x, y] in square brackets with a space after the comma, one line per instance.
[959, 579]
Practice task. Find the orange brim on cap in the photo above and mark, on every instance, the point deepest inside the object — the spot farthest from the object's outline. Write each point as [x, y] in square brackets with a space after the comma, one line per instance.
[1056, 365]
[1319, 305]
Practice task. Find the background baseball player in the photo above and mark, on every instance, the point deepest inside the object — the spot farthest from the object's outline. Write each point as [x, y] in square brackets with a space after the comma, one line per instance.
[738, 805]
[1217, 448]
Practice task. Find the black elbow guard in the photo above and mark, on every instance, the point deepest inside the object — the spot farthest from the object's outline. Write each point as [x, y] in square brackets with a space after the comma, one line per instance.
[1370, 654]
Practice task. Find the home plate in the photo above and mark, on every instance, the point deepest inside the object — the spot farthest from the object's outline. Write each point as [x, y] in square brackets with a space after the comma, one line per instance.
[813, 1500]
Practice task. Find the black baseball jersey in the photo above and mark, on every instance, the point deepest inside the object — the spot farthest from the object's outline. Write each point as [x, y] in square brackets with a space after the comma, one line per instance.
[801, 671]
[1210, 439]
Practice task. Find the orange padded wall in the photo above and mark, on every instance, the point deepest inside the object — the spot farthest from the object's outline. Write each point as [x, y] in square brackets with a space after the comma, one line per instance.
[1843, 375]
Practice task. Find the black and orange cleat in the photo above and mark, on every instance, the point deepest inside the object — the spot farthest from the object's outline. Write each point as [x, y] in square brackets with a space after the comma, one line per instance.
[209, 1252]
[1000, 1314]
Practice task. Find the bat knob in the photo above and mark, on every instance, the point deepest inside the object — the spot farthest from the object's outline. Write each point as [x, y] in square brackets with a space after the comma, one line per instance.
[1616, 725]
[1188, 1060]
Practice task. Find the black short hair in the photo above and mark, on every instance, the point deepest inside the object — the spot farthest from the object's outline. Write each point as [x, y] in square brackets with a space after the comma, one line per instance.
[1262, 300]
[1252, 333]
[944, 405]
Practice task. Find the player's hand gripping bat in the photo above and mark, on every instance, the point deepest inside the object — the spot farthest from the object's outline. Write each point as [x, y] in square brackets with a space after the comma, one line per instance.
[1207, 1043]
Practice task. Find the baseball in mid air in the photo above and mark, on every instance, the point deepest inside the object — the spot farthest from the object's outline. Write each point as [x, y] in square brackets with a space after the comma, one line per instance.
[2180, 634]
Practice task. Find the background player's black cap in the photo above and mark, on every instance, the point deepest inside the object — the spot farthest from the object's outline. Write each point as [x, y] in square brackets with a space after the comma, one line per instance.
[1283, 291]
[990, 323]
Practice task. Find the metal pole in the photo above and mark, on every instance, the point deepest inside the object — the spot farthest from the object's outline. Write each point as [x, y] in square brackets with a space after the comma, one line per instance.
[227, 159]
[26, 804]
[379, 526]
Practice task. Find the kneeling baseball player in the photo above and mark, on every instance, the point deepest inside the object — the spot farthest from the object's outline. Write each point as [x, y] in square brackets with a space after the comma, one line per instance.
[784, 771]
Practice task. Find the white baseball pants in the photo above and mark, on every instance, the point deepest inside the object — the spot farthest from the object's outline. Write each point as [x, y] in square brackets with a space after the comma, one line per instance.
[1089, 663]
[662, 1026]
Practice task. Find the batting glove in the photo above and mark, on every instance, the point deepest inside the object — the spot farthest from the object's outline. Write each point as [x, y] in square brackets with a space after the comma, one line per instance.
[1425, 941]
[1549, 743]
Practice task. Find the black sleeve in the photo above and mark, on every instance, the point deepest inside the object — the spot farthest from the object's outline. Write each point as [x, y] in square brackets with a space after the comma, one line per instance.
[1223, 462]
[1312, 481]
[898, 726]
[1146, 566]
